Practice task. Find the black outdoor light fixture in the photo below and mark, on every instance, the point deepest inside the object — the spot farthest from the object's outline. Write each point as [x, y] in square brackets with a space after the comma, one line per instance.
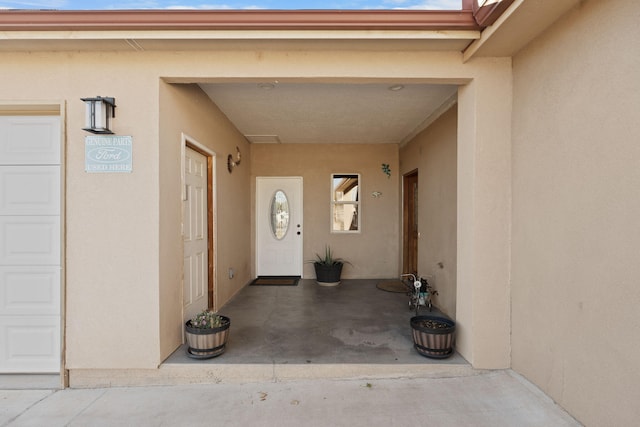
[98, 112]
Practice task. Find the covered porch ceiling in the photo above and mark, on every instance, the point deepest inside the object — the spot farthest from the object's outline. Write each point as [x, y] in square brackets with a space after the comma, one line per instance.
[351, 113]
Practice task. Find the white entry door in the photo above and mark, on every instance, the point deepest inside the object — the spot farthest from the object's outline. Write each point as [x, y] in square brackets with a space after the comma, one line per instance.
[30, 242]
[195, 234]
[279, 226]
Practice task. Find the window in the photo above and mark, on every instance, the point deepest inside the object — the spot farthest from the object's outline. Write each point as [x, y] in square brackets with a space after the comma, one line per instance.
[279, 213]
[345, 202]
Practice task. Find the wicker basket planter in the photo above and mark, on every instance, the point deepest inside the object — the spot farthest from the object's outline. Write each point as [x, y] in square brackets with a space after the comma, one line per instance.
[433, 336]
[205, 343]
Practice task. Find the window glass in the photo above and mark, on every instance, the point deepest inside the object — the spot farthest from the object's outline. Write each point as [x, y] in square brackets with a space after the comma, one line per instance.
[279, 213]
[345, 202]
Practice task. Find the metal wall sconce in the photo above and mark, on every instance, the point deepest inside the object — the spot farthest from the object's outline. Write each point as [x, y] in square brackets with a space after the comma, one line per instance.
[97, 114]
[233, 163]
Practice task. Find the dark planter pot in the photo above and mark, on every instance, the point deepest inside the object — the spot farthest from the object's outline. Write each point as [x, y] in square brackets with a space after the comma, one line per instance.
[328, 275]
[207, 343]
[433, 336]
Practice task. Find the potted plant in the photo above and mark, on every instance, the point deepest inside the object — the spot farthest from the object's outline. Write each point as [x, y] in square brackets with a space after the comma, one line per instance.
[328, 269]
[207, 334]
[433, 336]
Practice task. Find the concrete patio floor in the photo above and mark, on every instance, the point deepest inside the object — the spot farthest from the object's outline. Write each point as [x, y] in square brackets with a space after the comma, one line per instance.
[343, 330]
[354, 330]
[354, 322]
[297, 356]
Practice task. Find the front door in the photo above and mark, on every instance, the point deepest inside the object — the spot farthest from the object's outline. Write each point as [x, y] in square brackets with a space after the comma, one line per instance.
[279, 226]
[30, 244]
[195, 233]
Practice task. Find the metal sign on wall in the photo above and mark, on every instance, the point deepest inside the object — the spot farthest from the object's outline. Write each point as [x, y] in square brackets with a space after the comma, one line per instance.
[108, 153]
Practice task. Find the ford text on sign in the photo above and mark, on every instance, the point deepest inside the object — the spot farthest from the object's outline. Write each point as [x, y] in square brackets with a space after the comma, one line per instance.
[108, 153]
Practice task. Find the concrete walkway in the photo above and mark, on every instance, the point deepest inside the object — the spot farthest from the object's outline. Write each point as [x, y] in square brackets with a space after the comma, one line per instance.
[496, 398]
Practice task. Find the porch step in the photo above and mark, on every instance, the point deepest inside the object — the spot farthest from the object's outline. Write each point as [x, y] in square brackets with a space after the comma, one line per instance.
[183, 374]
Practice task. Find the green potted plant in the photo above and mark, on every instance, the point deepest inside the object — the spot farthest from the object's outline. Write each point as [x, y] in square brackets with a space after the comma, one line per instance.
[207, 334]
[328, 269]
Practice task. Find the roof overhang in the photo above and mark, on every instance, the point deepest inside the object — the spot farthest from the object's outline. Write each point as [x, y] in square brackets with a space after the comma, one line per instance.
[510, 25]
[515, 26]
[236, 29]
[480, 28]
[35, 20]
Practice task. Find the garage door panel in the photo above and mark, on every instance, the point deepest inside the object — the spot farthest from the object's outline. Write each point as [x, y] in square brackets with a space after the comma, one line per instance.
[30, 344]
[29, 290]
[29, 190]
[30, 240]
[29, 140]
[30, 244]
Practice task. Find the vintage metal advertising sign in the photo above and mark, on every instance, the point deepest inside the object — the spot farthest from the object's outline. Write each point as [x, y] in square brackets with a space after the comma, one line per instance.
[108, 153]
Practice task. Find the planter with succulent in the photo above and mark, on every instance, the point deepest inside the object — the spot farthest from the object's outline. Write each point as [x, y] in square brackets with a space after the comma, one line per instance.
[433, 336]
[207, 334]
[328, 269]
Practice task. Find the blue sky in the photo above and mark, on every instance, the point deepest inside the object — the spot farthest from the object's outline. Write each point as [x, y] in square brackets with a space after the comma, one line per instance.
[229, 4]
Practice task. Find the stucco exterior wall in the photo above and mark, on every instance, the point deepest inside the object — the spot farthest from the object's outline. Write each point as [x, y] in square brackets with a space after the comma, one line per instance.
[187, 112]
[123, 247]
[576, 204]
[121, 229]
[373, 253]
[483, 229]
[434, 154]
[111, 219]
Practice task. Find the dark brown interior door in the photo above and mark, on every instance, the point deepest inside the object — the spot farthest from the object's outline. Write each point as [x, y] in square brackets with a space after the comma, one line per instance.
[410, 223]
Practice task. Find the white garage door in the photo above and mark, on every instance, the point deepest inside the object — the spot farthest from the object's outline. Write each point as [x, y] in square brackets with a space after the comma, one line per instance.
[30, 262]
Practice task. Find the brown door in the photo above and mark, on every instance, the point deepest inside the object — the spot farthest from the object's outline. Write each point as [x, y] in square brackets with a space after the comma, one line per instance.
[410, 223]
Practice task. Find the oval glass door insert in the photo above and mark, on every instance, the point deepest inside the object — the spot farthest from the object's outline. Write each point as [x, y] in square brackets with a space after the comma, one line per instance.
[279, 214]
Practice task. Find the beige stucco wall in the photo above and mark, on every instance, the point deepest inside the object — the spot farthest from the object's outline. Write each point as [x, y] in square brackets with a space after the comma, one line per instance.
[433, 153]
[186, 112]
[483, 312]
[121, 231]
[123, 247]
[576, 204]
[374, 252]
[111, 219]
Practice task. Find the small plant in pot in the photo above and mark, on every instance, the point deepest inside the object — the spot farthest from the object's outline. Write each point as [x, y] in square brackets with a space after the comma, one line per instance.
[207, 334]
[433, 336]
[328, 269]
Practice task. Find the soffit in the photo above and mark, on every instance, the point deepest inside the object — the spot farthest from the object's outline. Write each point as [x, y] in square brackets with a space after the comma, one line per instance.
[161, 30]
[523, 21]
[194, 40]
[330, 112]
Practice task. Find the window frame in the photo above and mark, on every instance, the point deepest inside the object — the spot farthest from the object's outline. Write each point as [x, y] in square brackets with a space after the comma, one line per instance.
[335, 203]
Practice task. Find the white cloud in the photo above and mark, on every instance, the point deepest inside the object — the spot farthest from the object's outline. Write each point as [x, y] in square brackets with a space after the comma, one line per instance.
[149, 4]
[188, 4]
[426, 4]
[212, 6]
[33, 4]
[152, 4]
